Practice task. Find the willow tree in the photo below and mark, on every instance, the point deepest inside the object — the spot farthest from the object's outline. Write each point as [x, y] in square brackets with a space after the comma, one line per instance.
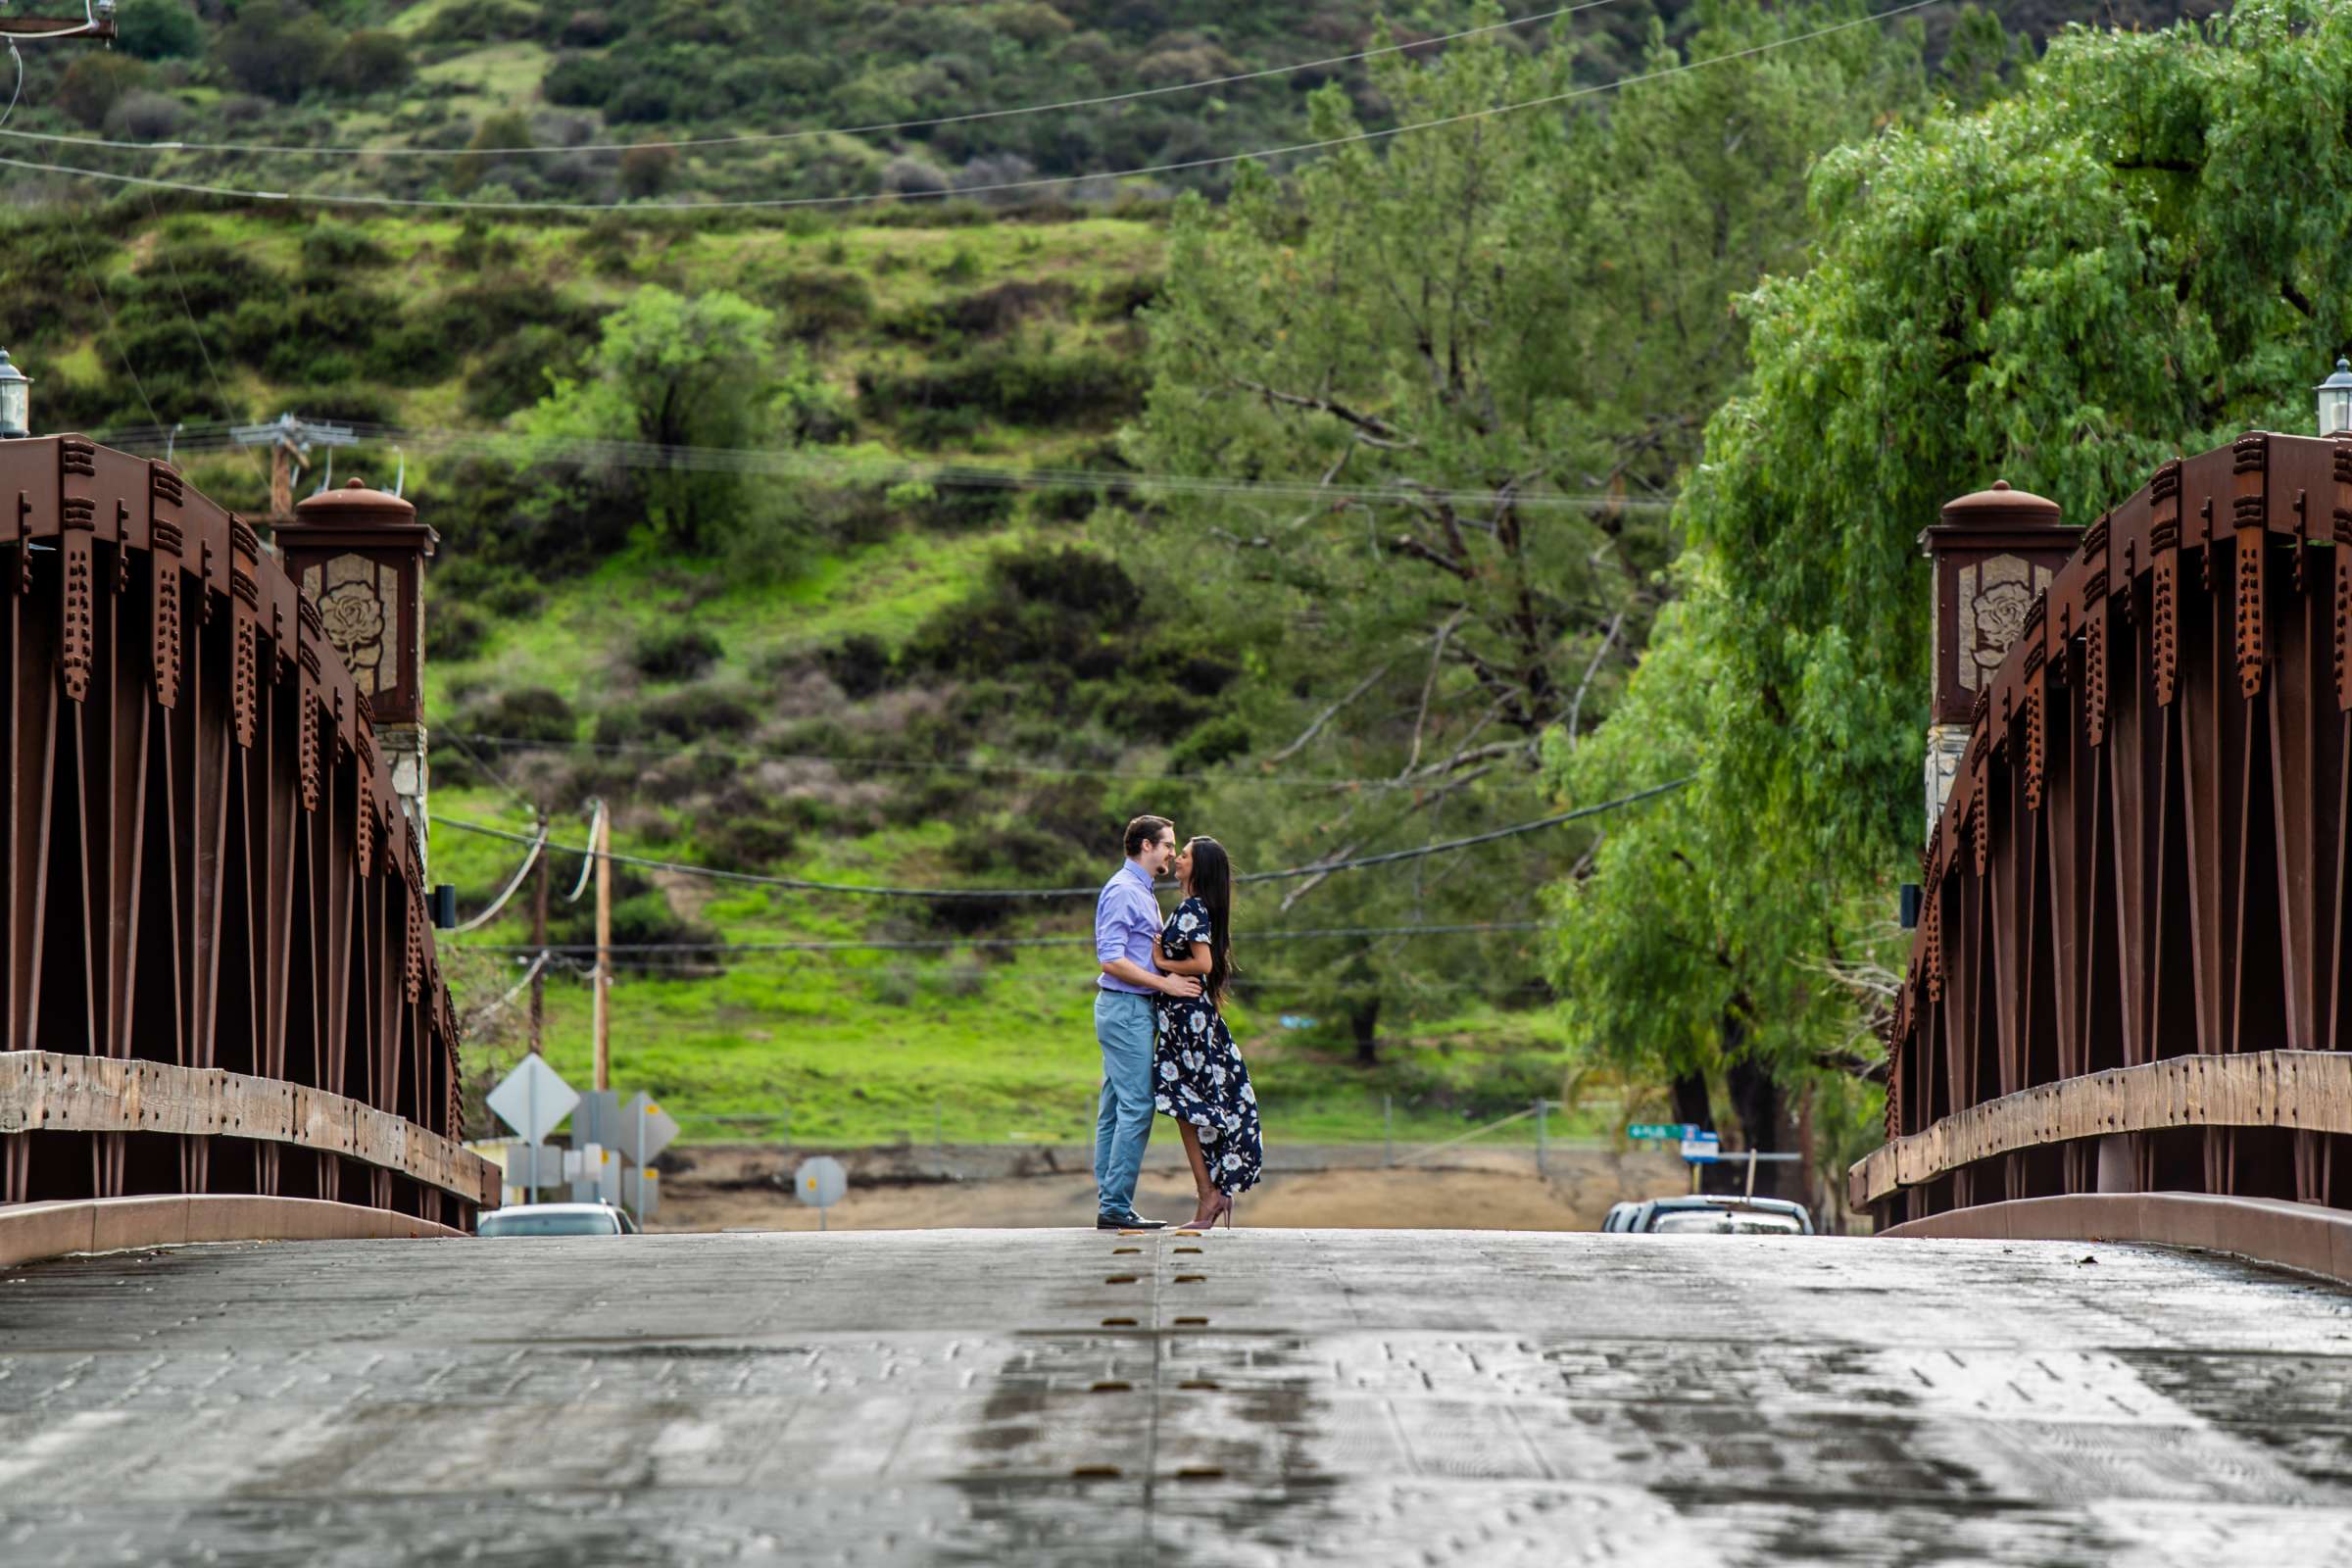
[2137, 254]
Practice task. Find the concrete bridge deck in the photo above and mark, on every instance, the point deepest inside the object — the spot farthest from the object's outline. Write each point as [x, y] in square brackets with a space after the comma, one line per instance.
[1048, 1398]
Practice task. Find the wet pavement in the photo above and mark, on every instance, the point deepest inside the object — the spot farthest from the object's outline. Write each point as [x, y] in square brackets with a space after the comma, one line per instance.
[1071, 1398]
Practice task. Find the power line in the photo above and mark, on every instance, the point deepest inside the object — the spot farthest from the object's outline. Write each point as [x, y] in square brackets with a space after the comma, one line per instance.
[177, 287]
[521, 743]
[770, 136]
[1393, 855]
[890, 470]
[942, 945]
[98, 289]
[867, 198]
[1325, 868]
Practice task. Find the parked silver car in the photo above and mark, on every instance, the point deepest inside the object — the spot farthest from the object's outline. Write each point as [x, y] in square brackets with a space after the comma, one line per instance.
[557, 1219]
[1711, 1214]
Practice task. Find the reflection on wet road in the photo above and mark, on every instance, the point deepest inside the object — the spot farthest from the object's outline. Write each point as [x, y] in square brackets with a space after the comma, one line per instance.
[1071, 1398]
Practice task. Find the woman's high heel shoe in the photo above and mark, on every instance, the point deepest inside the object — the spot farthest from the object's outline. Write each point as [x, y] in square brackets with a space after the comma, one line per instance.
[1220, 1207]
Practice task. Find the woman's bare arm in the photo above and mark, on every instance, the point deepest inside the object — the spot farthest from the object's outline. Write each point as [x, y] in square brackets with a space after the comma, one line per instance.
[1198, 964]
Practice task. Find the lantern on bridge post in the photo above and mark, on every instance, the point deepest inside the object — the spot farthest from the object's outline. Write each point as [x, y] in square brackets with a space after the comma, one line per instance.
[16, 401]
[359, 555]
[1994, 552]
[2336, 400]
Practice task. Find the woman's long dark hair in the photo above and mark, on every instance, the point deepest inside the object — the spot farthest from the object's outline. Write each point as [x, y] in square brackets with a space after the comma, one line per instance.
[1212, 885]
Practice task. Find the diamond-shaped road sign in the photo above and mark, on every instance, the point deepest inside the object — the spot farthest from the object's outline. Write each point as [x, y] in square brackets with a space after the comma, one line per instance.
[645, 1130]
[532, 1100]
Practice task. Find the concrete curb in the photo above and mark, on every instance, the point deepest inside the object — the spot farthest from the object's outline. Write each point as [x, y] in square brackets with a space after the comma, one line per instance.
[2262, 1230]
[30, 1232]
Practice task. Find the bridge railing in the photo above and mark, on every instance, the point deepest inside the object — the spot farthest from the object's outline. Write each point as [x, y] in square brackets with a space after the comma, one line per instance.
[219, 973]
[2129, 973]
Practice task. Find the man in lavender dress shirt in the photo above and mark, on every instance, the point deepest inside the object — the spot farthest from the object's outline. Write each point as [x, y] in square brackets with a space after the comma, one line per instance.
[1127, 923]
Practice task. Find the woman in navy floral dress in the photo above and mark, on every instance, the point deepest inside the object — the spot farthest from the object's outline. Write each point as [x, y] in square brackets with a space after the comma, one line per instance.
[1197, 1072]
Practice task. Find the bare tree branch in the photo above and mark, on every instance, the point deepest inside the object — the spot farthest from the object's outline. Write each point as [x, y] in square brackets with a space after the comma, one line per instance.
[1576, 704]
[1370, 429]
[1436, 654]
[1325, 718]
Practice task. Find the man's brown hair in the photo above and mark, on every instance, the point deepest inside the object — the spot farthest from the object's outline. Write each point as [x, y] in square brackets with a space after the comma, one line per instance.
[1144, 831]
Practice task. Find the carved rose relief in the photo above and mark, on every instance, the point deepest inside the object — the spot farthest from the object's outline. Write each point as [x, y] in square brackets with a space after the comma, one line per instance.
[356, 600]
[1994, 598]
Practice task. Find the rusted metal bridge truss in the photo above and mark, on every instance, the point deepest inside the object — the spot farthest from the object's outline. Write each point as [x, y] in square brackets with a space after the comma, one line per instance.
[2130, 970]
[219, 973]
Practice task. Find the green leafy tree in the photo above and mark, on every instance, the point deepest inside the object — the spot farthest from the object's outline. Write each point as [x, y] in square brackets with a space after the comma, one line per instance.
[1442, 337]
[675, 372]
[2062, 288]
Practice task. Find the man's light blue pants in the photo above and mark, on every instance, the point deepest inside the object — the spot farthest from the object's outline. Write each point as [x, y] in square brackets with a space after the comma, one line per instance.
[1123, 1126]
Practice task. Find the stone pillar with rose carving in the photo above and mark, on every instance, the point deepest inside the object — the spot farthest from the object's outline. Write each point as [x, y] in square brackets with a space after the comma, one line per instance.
[1994, 553]
[359, 555]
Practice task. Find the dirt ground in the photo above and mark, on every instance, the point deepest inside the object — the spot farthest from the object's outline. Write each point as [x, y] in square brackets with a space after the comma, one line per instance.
[751, 1189]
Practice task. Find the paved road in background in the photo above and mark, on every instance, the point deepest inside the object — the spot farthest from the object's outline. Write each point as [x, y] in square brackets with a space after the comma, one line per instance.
[1053, 1398]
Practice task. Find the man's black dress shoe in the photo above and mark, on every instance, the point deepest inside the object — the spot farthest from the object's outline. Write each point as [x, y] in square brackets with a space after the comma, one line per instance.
[1131, 1222]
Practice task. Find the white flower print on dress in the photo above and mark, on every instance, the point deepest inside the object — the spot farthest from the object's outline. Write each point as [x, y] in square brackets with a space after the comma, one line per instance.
[1202, 1077]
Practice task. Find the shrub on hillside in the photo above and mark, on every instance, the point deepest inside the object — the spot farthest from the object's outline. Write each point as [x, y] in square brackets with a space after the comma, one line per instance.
[455, 632]
[695, 712]
[859, 665]
[675, 653]
[158, 30]
[817, 305]
[275, 48]
[1049, 608]
[581, 81]
[483, 22]
[587, 29]
[738, 839]
[143, 116]
[328, 246]
[644, 171]
[93, 83]
[528, 713]
[1019, 386]
[372, 59]
[909, 175]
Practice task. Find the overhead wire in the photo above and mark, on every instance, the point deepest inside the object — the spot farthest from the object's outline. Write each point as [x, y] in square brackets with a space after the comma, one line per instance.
[106, 307]
[752, 754]
[229, 408]
[596, 826]
[529, 860]
[677, 144]
[797, 463]
[944, 944]
[994, 187]
[861, 889]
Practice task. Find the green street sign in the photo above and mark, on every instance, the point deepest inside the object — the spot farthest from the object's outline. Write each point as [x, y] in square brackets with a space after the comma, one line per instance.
[1674, 1131]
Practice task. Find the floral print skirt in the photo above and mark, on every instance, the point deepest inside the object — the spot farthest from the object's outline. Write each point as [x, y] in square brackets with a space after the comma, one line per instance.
[1198, 1076]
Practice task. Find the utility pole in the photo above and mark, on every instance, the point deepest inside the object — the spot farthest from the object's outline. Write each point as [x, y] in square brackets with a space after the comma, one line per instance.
[539, 959]
[289, 440]
[603, 851]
